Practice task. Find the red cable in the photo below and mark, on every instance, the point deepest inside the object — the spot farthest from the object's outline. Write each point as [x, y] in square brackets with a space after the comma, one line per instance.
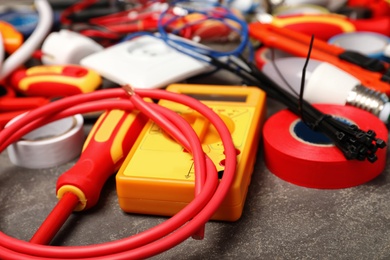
[157, 239]
[55, 219]
[143, 11]
[93, 33]
[66, 205]
[74, 8]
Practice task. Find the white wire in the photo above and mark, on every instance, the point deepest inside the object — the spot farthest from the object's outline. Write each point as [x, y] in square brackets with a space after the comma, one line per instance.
[24, 52]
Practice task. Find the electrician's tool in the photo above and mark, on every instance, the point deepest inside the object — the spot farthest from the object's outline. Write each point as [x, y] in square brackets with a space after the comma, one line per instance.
[54, 81]
[158, 176]
[371, 72]
[104, 150]
[325, 26]
[11, 37]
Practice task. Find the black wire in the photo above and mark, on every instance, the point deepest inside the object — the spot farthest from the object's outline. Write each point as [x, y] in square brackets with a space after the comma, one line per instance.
[280, 74]
[353, 142]
[345, 136]
[302, 88]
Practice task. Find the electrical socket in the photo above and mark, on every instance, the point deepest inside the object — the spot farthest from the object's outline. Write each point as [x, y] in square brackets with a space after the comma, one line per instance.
[144, 62]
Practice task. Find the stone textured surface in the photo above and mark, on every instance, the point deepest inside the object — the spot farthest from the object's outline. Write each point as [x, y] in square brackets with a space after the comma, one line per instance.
[280, 220]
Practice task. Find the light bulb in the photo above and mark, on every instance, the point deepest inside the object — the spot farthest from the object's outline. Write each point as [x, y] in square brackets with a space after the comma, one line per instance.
[325, 83]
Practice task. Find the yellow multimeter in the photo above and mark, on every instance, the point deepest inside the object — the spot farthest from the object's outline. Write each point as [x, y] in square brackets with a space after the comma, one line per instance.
[157, 177]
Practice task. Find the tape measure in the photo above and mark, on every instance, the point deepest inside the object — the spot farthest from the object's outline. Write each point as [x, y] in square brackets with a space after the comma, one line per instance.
[157, 177]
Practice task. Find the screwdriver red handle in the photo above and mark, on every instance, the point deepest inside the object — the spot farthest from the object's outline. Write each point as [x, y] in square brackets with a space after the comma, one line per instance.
[110, 140]
[54, 81]
[324, 26]
[296, 43]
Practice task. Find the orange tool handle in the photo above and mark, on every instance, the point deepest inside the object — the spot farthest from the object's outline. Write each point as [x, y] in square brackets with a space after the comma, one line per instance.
[297, 44]
[55, 80]
[325, 26]
[106, 147]
[11, 37]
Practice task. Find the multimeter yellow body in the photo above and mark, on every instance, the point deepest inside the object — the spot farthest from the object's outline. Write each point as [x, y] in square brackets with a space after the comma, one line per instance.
[157, 176]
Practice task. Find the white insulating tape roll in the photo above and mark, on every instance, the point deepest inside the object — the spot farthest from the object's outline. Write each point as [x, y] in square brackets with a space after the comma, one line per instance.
[50, 145]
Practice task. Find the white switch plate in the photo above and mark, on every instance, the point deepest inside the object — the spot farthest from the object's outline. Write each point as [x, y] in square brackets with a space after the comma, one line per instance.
[144, 62]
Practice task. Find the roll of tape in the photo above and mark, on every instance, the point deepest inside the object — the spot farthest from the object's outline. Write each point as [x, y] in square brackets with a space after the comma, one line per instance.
[296, 154]
[371, 44]
[50, 145]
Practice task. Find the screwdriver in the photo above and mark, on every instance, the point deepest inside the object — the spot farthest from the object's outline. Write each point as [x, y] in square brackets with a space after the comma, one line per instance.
[12, 38]
[325, 26]
[104, 150]
[296, 43]
[53, 81]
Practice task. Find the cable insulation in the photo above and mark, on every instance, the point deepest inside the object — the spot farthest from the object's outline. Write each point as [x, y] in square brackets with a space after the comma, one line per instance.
[24, 52]
[55, 220]
[150, 242]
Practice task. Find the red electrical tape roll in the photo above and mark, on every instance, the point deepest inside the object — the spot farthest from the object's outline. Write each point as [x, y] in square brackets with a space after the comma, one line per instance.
[314, 165]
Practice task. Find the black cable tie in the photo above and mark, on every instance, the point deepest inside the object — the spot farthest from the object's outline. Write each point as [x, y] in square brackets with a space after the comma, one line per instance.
[340, 135]
[372, 157]
[363, 150]
[361, 157]
[380, 143]
[371, 133]
[314, 126]
[351, 153]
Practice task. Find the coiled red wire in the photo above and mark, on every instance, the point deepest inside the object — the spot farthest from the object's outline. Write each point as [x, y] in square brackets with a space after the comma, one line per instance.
[209, 195]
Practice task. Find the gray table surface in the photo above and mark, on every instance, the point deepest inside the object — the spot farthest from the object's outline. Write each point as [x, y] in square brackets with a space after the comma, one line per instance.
[280, 220]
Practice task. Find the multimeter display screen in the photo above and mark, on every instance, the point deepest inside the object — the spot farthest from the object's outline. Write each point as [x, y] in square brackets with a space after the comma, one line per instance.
[217, 97]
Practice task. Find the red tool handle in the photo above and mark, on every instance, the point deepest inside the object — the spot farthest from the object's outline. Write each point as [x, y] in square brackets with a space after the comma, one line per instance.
[325, 26]
[53, 81]
[379, 25]
[110, 140]
[297, 44]
[378, 8]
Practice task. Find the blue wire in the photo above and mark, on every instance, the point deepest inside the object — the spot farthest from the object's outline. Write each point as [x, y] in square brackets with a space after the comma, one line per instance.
[137, 34]
[221, 16]
[187, 46]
